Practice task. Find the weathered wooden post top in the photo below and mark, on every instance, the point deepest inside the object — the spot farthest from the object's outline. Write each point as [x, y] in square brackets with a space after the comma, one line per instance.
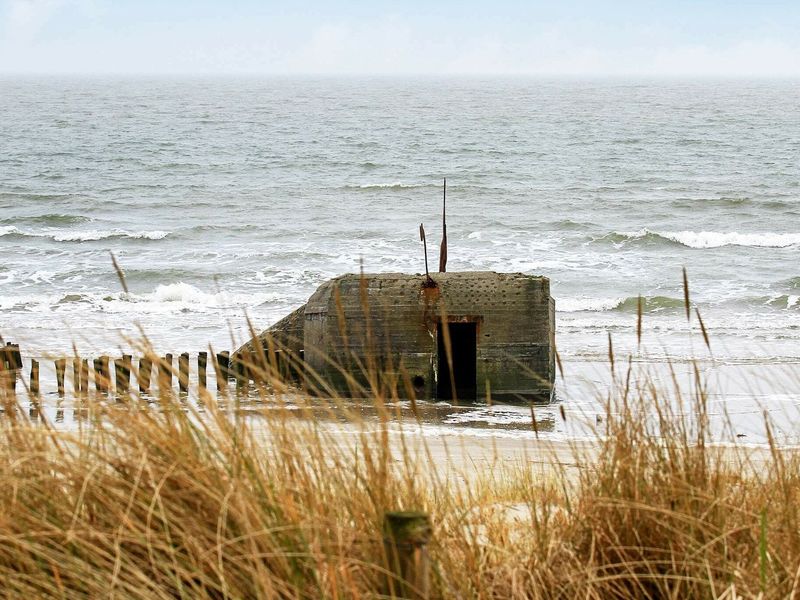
[461, 335]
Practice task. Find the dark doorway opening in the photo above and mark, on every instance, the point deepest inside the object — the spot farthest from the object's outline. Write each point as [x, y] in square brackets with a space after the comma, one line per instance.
[463, 349]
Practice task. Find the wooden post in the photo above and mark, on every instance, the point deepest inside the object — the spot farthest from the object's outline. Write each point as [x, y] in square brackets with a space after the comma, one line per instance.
[34, 382]
[61, 365]
[218, 371]
[122, 371]
[84, 387]
[202, 361]
[406, 537]
[127, 361]
[106, 370]
[5, 370]
[14, 362]
[225, 365]
[117, 375]
[223, 370]
[239, 372]
[15, 358]
[102, 374]
[183, 373]
[145, 372]
[76, 375]
[98, 374]
[165, 374]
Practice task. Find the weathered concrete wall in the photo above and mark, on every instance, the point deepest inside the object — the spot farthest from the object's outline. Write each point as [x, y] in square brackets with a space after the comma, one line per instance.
[286, 334]
[392, 319]
[370, 324]
[389, 321]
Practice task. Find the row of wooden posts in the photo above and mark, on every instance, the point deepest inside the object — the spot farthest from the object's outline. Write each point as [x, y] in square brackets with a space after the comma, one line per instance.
[225, 369]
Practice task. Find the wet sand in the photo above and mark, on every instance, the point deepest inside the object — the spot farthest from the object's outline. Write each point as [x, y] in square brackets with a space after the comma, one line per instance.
[468, 458]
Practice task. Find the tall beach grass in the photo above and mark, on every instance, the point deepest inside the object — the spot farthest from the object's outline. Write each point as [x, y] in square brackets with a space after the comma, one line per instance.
[167, 498]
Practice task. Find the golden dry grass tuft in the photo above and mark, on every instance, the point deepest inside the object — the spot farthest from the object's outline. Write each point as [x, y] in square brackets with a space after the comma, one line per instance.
[192, 500]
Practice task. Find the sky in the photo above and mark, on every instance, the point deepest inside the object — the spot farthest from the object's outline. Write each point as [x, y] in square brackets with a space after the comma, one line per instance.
[697, 38]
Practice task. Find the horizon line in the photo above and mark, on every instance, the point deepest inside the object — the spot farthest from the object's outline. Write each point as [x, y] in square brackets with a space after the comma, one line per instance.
[421, 75]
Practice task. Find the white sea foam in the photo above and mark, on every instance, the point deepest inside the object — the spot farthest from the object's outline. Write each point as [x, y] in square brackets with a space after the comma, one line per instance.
[710, 239]
[188, 296]
[95, 234]
[396, 185]
[90, 235]
[166, 298]
[41, 276]
[714, 239]
[8, 276]
[7, 229]
[493, 415]
[183, 292]
[587, 304]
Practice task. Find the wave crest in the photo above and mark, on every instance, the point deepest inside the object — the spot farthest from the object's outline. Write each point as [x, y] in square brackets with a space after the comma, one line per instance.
[650, 304]
[396, 185]
[785, 301]
[704, 239]
[90, 235]
[94, 235]
[794, 283]
[165, 298]
[182, 292]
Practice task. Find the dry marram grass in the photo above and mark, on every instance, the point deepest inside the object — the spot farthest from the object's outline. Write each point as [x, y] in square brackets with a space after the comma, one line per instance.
[172, 499]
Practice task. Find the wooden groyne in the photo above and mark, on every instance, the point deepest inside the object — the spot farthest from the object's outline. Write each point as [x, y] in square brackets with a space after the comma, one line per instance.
[124, 374]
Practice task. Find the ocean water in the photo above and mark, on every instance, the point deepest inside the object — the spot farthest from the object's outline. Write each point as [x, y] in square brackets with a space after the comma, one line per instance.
[230, 197]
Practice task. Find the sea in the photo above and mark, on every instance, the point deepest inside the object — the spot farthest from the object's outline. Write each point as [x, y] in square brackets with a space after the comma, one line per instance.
[228, 199]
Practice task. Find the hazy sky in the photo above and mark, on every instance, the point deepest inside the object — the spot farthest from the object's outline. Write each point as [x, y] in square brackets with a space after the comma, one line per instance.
[592, 37]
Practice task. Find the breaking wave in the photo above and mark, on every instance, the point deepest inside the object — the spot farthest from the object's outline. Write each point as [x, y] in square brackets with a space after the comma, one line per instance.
[667, 304]
[90, 235]
[586, 304]
[396, 185]
[704, 239]
[791, 301]
[183, 292]
[164, 298]
[650, 304]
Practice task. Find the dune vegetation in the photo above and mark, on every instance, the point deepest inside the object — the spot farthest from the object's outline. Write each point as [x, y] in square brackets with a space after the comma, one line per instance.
[164, 498]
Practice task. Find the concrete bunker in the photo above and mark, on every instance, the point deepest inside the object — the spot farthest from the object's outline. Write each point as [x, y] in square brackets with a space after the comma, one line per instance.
[467, 336]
